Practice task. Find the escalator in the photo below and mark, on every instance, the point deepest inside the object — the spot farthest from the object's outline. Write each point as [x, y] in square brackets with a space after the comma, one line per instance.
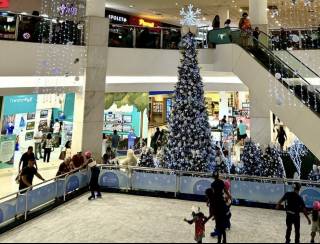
[281, 81]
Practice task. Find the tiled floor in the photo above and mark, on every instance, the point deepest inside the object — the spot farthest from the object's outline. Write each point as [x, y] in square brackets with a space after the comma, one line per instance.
[134, 219]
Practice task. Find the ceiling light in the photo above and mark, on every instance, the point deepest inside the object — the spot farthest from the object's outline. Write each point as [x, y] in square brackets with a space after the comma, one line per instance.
[131, 6]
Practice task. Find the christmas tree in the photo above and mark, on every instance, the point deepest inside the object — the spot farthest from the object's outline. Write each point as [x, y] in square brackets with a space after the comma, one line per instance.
[146, 159]
[272, 164]
[189, 145]
[252, 159]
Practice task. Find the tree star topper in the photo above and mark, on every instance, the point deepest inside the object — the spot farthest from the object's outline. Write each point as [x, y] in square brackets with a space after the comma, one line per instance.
[191, 16]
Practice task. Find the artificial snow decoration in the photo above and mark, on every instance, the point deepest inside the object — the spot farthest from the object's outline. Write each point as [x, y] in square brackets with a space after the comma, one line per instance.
[189, 117]
[297, 151]
[146, 159]
[252, 159]
[190, 17]
[278, 76]
[273, 164]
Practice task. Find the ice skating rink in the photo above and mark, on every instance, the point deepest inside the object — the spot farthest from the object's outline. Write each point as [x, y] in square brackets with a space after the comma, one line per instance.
[125, 218]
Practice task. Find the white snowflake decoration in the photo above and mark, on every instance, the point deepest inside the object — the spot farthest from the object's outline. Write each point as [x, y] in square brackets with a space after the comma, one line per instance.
[191, 16]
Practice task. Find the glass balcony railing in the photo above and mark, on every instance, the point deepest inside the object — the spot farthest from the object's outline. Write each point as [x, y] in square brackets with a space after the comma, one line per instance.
[30, 28]
[295, 39]
[128, 36]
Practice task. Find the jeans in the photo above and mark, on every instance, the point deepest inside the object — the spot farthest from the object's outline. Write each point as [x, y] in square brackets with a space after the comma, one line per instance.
[47, 153]
[293, 219]
[38, 149]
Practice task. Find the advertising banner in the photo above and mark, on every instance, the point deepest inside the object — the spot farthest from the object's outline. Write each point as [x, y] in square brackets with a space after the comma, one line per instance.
[20, 104]
[7, 148]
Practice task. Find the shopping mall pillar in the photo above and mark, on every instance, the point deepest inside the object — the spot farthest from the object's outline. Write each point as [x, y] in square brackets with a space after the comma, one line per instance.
[89, 105]
[260, 121]
[259, 14]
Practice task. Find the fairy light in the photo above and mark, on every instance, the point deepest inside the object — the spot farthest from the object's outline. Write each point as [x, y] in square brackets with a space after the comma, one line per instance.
[297, 151]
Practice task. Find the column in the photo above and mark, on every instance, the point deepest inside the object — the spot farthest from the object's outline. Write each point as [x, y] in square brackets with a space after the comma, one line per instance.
[259, 14]
[223, 105]
[89, 104]
[260, 116]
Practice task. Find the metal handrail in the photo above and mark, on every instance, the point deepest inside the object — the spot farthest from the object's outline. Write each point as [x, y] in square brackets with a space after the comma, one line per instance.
[42, 183]
[181, 173]
[290, 54]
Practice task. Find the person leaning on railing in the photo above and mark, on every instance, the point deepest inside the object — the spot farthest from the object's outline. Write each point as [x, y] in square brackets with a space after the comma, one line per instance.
[65, 167]
[27, 175]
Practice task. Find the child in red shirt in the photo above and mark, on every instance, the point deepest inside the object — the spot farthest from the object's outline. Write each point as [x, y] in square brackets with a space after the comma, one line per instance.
[200, 221]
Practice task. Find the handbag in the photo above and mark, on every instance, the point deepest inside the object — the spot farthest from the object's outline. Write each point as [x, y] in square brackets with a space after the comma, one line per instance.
[63, 155]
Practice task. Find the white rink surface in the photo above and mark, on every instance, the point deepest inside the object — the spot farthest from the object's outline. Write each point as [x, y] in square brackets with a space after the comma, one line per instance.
[124, 218]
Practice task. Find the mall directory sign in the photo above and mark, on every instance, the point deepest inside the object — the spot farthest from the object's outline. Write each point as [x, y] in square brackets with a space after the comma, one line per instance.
[4, 3]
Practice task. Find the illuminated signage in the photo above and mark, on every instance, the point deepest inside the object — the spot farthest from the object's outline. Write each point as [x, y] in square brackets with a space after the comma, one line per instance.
[144, 23]
[66, 9]
[4, 3]
[118, 18]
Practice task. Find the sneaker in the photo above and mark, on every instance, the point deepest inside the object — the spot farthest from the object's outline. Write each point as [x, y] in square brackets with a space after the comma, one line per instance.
[214, 234]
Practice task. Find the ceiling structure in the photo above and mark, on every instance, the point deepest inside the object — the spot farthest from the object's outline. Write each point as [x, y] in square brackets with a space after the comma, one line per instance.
[281, 13]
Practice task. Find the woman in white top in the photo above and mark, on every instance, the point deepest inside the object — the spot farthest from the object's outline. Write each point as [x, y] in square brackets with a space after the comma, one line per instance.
[48, 146]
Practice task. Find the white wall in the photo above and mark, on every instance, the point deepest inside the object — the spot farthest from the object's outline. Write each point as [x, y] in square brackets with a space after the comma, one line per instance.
[24, 6]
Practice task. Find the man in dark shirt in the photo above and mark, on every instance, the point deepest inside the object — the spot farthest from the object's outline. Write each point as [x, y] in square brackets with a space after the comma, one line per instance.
[294, 205]
[78, 160]
[29, 155]
[220, 207]
[27, 175]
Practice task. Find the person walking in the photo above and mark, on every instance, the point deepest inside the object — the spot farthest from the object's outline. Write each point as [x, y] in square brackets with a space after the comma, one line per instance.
[48, 146]
[155, 140]
[27, 176]
[294, 204]
[94, 181]
[115, 141]
[26, 157]
[282, 137]
[242, 132]
[38, 144]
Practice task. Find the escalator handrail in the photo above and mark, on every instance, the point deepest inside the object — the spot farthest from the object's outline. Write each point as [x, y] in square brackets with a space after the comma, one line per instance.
[290, 54]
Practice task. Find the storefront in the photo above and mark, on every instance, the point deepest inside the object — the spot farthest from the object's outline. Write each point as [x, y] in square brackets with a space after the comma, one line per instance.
[7, 26]
[126, 113]
[23, 115]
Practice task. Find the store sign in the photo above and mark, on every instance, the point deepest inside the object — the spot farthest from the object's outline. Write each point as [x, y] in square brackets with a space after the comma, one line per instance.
[20, 104]
[144, 23]
[68, 9]
[117, 18]
[4, 4]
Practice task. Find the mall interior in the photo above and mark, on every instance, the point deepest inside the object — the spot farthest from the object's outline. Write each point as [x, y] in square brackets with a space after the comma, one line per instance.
[154, 103]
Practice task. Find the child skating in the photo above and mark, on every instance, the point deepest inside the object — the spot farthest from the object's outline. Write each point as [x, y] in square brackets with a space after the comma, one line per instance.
[200, 221]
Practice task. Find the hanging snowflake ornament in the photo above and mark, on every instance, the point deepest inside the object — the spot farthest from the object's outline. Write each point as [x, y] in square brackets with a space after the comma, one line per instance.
[190, 17]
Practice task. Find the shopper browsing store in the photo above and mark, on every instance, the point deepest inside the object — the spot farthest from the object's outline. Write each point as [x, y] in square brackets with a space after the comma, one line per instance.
[48, 147]
[38, 144]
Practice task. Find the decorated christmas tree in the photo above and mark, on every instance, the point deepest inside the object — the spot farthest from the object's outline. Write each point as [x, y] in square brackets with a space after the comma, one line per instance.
[146, 158]
[189, 144]
[272, 164]
[252, 159]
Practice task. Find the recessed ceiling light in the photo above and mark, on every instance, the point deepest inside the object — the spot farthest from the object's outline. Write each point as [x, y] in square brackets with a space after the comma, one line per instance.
[131, 6]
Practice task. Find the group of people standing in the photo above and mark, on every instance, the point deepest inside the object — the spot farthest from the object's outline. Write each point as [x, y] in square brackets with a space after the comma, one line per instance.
[44, 144]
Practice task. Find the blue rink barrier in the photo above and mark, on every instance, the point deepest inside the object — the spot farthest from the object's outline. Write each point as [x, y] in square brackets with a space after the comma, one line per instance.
[18, 204]
[250, 189]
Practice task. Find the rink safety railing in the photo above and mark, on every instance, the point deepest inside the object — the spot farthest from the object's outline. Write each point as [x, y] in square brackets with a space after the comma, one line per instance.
[18, 206]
